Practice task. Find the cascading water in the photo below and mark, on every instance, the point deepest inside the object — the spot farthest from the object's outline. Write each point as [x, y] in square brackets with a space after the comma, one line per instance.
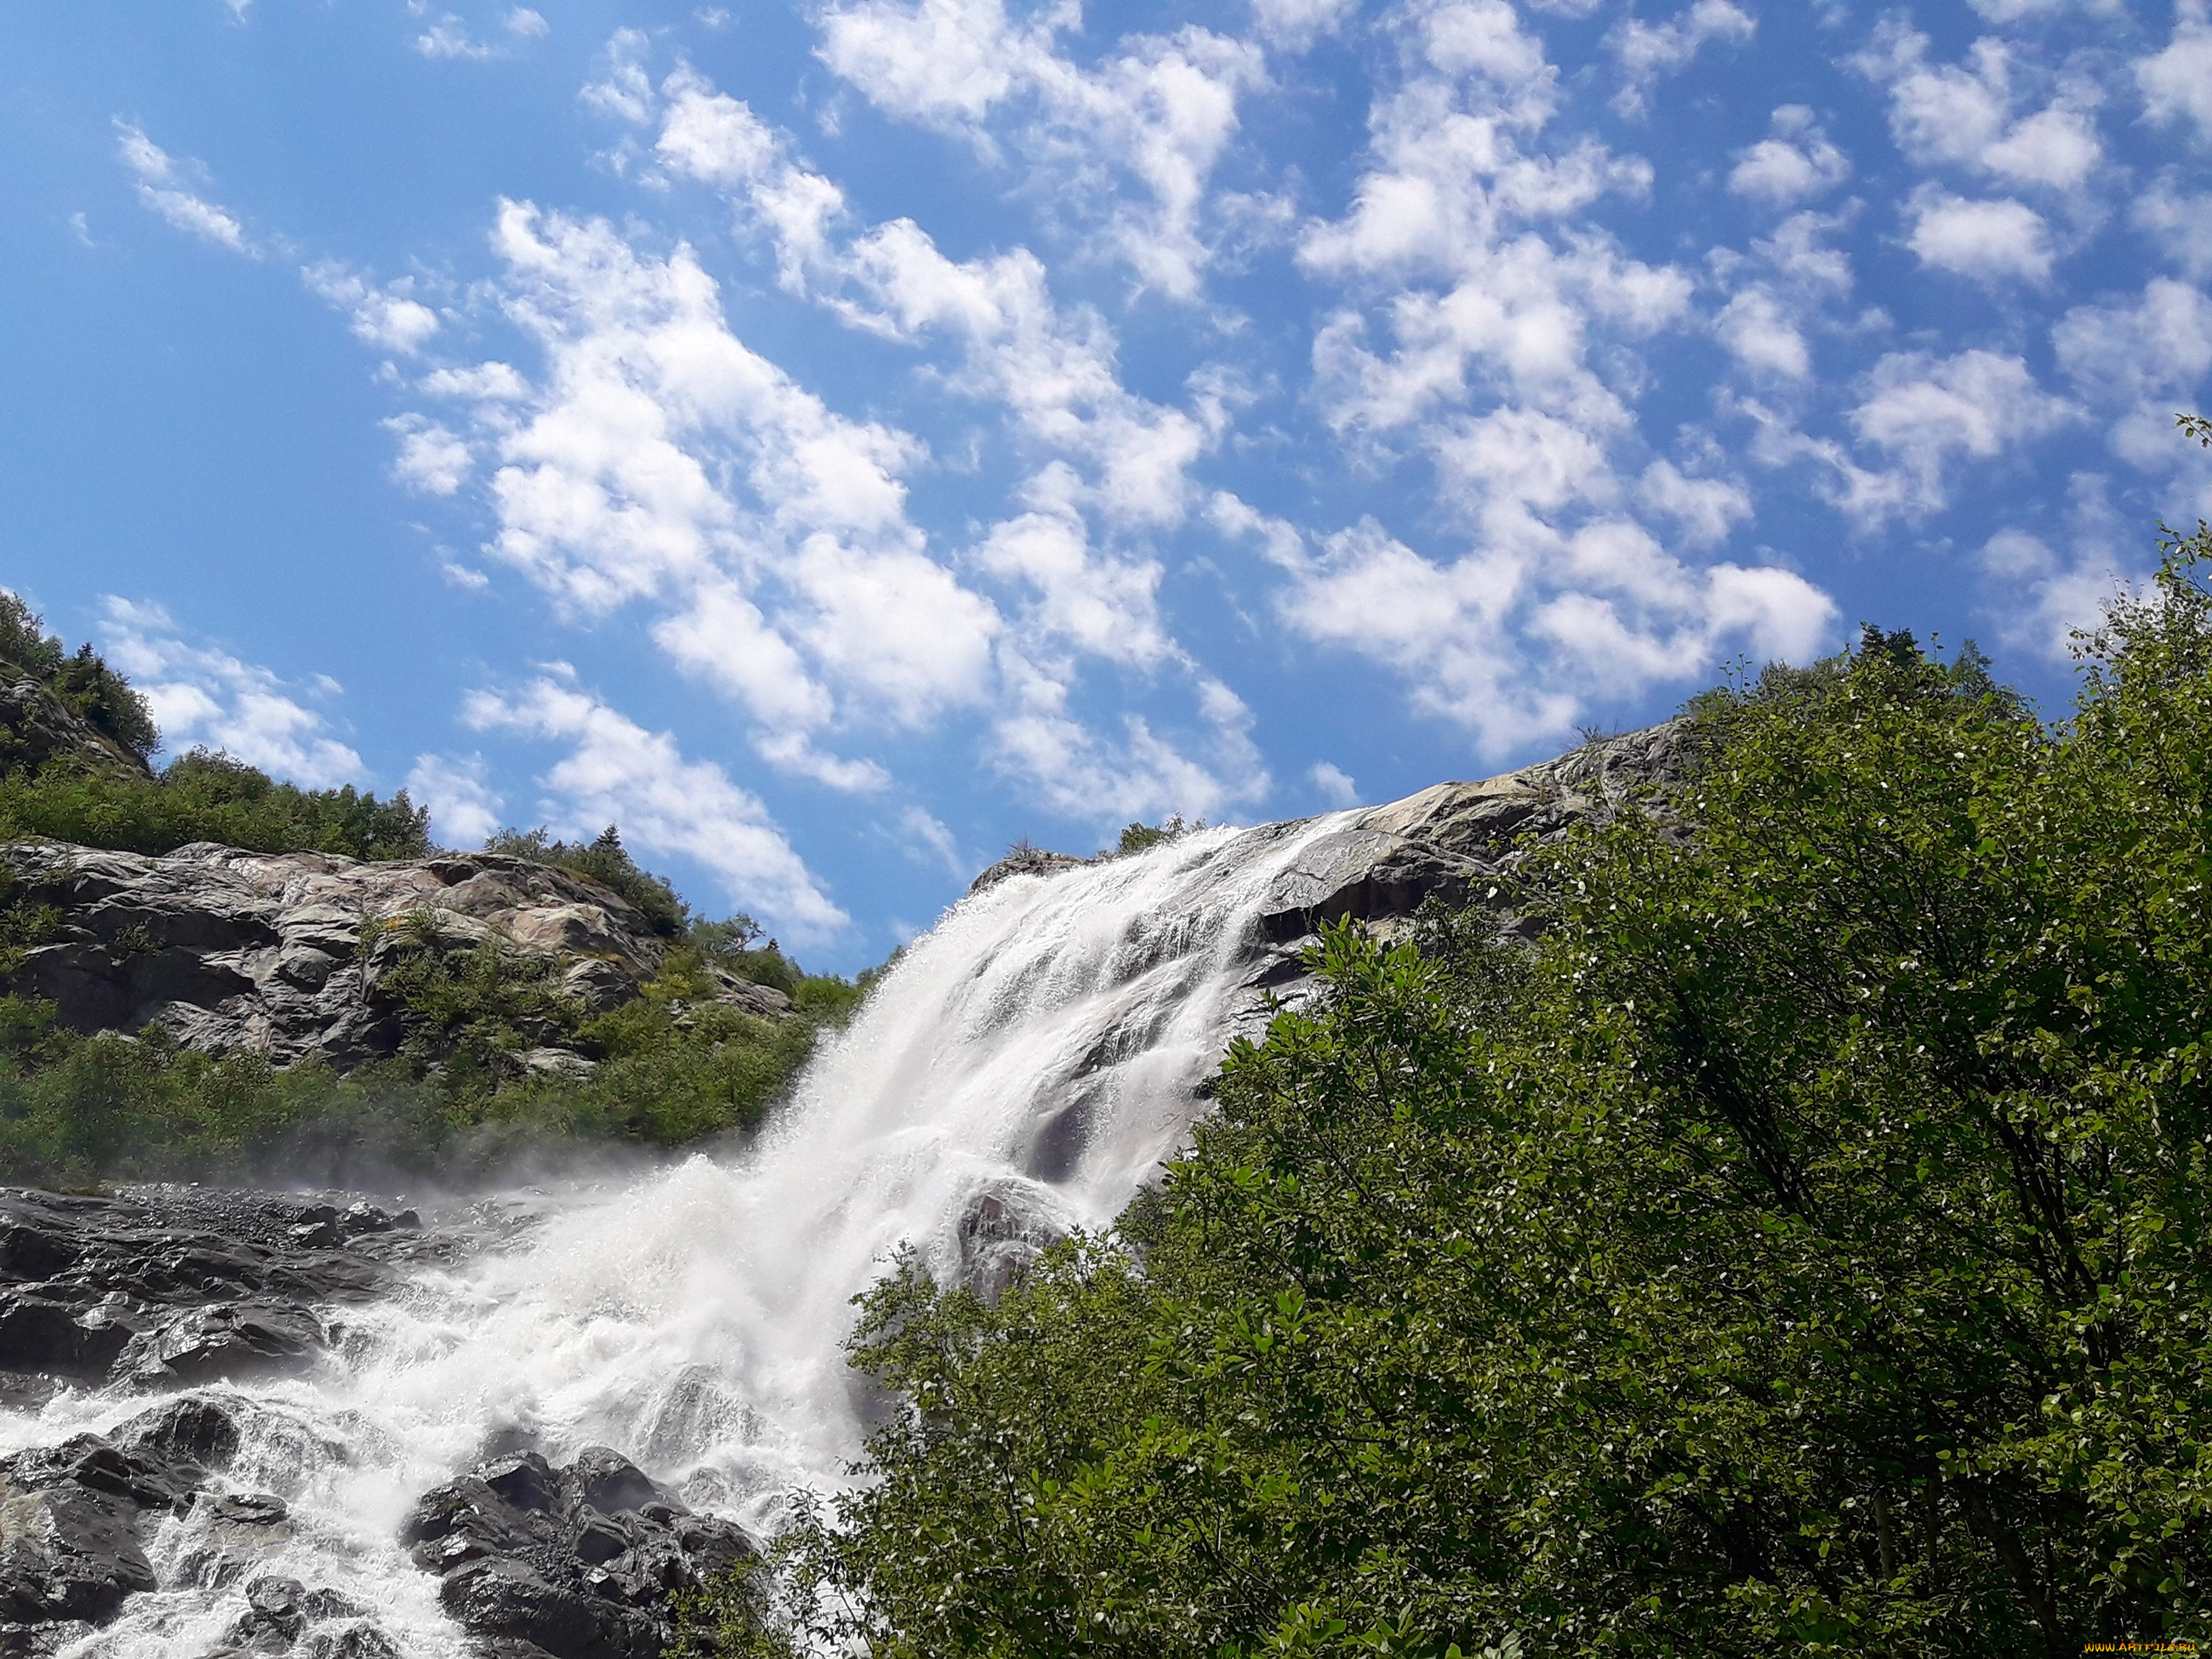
[1021, 1071]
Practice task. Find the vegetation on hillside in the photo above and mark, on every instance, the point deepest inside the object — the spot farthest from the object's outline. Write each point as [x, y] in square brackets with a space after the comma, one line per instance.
[199, 796]
[1805, 1247]
[472, 1082]
[83, 684]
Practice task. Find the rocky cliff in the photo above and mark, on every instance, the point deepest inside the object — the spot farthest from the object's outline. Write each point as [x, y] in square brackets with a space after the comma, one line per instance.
[291, 954]
[1377, 863]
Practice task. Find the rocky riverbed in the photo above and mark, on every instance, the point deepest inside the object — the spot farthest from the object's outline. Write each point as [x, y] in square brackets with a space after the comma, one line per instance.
[185, 1293]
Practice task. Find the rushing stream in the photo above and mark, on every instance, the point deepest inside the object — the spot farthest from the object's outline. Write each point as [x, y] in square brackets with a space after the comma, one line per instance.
[1022, 1069]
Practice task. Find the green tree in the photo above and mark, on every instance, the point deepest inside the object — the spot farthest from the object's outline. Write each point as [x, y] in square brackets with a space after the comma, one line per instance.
[1802, 1248]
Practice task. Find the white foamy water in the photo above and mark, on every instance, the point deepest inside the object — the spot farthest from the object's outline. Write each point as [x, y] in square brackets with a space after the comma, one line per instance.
[1034, 1057]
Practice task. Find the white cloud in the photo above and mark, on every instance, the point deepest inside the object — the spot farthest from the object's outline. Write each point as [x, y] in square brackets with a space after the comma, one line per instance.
[2138, 362]
[1647, 52]
[627, 92]
[432, 459]
[1614, 614]
[1706, 509]
[1798, 161]
[165, 184]
[1950, 114]
[922, 831]
[1143, 773]
[1923, 411]
[2182, 223]
[617, 772]
[2043, 598]
[525, 24]
[1158, 112]
[1294, 25]
[1760, 336]
[1335, 784]
[1052, 368]
[388, 317]
[2178, 80]
[2014, 11]
[202, 695]
[1988, 241]
[463, 808]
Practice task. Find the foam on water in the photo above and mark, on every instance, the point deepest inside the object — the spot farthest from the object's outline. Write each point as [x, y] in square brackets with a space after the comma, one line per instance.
[1035, 1054]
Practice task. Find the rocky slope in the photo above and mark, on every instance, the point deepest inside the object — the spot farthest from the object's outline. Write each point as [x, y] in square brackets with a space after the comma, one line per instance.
[1457, 839]
[289, 953]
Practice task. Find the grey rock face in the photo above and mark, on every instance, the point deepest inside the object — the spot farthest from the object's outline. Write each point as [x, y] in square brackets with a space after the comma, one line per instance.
[232, 949]
[1457, 839]
[166, 1287]
[576, 1562]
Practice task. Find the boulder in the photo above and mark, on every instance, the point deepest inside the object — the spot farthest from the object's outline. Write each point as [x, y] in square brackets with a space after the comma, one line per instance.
[580, 1562]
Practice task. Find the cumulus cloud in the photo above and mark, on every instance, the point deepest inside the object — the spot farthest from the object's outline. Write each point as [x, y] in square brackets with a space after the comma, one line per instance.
[465, 808]
[432, 459]
[1925, 411]
[172, 189]
[616, 771]
[1797, 163]
[2177, 82]
[446, 35]
[1761, 335]
[1156, 114]
[2045, 597]
[1647, 52]
[1963, 114]
[1334, 784]
[390, 317]
[2137, 363]
[1988, 241]
[2181, 224]
[1632, 615]
[202, 695]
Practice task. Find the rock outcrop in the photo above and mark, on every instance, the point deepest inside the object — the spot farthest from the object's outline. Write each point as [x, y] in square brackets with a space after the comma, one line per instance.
[1377, 863]
[582, 1562]
[289, 953]
[1458, 839]
[164, 1287]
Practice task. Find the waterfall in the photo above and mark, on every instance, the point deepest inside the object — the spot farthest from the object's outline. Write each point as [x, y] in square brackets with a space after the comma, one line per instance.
[1021, 1071]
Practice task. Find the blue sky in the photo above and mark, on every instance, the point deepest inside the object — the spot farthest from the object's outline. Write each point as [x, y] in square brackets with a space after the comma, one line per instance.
[833, 441]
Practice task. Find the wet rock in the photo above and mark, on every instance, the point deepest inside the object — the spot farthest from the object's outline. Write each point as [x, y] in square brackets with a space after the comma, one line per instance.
[188, 1431]
[582, 1562]
[72, 1521]
[1025, 861]
[354, 1642]
[173, 1287]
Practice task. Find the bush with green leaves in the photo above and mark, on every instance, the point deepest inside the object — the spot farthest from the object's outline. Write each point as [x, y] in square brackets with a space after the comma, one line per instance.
[1805, 1247]
[204, 796]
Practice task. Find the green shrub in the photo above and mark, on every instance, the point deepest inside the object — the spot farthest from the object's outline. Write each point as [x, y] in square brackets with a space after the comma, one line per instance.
[201, 796]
